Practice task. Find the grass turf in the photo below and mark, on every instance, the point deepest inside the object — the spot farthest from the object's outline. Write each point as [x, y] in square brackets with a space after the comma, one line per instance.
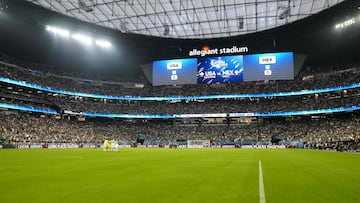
[181, 175]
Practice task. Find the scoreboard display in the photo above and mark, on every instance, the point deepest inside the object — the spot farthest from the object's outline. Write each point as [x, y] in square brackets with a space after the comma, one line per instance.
[272, 66]
[175, 71]
[224, 69]
[220, 69]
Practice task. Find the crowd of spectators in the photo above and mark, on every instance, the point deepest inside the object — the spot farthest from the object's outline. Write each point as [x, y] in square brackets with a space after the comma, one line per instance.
[25, 128]
[25, 102]
[320, 80]
[48, 69]
[211, 106]
[109, 87]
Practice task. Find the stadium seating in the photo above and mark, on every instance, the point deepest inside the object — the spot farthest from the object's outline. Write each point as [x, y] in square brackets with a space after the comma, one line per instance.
[319, 131]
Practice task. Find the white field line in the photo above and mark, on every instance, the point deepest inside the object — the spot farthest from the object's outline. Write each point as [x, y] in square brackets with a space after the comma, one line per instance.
[261, 185]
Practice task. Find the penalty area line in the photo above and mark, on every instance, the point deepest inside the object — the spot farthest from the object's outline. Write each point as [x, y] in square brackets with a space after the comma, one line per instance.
[261, 185]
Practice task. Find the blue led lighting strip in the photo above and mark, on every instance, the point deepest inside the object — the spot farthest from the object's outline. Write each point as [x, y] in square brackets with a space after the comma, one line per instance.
[138, 98]
[256, 114]
[27, 108]
[169, 116]
[297, 113]
[141, 116]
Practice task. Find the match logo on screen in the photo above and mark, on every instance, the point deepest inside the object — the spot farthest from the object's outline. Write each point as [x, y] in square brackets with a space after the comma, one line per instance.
[218, 63]
[174, 65]
[267, 59]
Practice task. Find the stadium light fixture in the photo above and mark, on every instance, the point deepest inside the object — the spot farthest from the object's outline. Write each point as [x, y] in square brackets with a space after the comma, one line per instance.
[345, 23]
[82, 38]
[84, 6]
[3, 6]
[103, 43]
[58, 31]
[166, 29]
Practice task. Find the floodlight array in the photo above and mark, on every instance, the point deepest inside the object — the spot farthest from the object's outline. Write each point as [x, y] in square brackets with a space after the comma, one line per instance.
[84, 39]
[345, 23]
[102, 43]
[58, 31]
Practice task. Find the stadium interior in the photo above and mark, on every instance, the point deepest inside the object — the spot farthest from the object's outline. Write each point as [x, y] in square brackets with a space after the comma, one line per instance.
[179, 101]
[80, 72]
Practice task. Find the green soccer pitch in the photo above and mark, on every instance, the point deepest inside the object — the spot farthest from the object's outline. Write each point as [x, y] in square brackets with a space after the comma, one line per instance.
[178, 175]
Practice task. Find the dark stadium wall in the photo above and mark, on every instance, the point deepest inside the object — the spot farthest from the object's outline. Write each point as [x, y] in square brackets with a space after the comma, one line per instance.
[23, 35]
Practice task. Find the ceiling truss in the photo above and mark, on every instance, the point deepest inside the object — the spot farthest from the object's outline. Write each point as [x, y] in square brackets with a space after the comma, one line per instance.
[188, 19]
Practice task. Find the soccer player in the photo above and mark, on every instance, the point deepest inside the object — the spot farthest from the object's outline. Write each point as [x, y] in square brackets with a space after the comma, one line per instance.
[107, 145]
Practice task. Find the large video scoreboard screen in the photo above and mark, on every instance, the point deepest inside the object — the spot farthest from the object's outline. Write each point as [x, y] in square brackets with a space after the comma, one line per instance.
[224, 69]
[175, 71]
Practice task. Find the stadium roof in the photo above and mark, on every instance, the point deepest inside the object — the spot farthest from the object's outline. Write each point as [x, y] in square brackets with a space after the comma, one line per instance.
[188, 19]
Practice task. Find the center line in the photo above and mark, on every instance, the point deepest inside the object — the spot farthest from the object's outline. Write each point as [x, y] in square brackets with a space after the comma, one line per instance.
[261, 185]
